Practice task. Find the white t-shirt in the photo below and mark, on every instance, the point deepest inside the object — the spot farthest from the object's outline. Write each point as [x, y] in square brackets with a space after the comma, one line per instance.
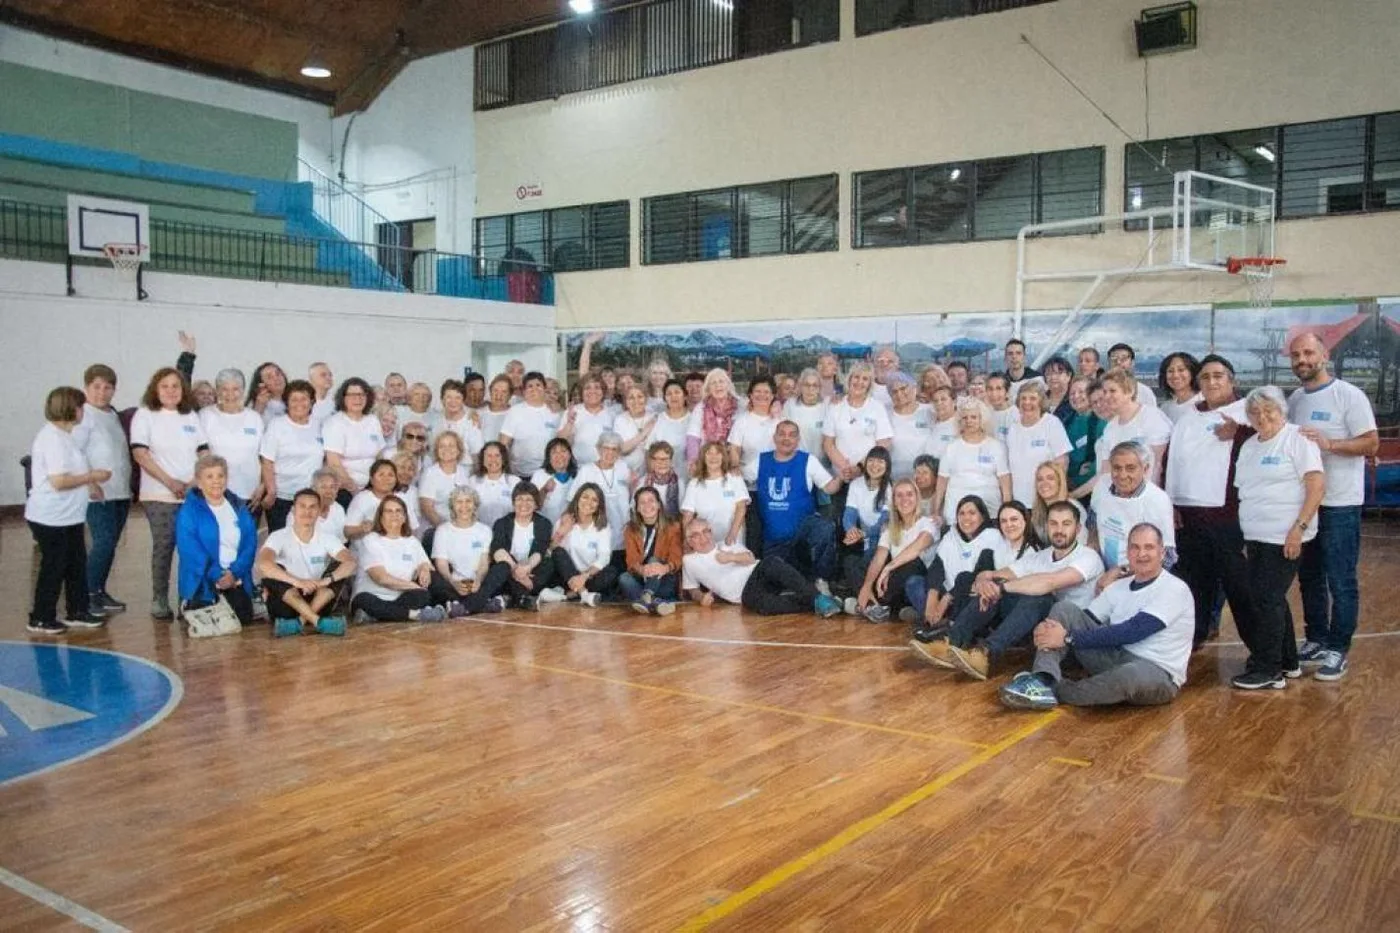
[810, 419]
[174, 441]
[323, 408]
[672, 431]
[305, 559]
[616, 484]
[588, 427]
[1005, 554]
[941, 434]
[1199, 465]
[462, 548]
[362, 507]
[494, 495]
[726, 581]
[1116, 517]
[530, 428]
[1174, 409]
[753, 435]
[911, 435]
[522, 538]
[973, 470]
[229, 533]
[101, 439]
[861, 497]
[237, 438]
[921, 527]
[1168, 599]
[714, 501]
[436, 486]
[856, 430]
[405, 415]
[295, 452]
[1081, 558]
[961, 556]
[55, 452]
[1338, 410]
[1027, 448]
[357, 442]
[333, 522]
[589, 547]
[1149, 427]
[469, 433]
[557, 500]
[1145, 396]
[1003, 420]
[491, 422]
[275, 408]
[1269, 475]
[400, 557]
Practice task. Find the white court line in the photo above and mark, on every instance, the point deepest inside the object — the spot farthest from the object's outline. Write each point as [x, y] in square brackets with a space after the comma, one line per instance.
[59, 903]
[690, 638]
[1240, 644]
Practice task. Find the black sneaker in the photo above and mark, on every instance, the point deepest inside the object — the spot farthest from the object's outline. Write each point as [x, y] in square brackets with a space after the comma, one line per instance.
[528, 603]
[108, 602]
[91, 619]
[931, 633]
[46, 627]
[1258, 680]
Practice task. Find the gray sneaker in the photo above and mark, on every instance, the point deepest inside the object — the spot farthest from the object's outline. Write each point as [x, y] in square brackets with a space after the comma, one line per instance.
[910, 614]
[877, 613]
[1310, 653]
[1334, 666]
[431, 614]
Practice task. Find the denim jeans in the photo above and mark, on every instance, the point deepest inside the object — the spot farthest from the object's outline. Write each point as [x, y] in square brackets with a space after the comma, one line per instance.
[1328, 569]
[105, 521]
[664, 587]
[1014, 617]
[813, 547]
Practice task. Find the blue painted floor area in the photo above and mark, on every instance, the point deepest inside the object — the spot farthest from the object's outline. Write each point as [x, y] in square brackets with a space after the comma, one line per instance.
[60, 704]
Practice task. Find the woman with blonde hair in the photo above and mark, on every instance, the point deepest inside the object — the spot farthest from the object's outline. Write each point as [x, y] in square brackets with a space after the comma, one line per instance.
[932, 378]
[1051, 486]
[716, 495]
[712, 420]
[658, 374]
[898, 558]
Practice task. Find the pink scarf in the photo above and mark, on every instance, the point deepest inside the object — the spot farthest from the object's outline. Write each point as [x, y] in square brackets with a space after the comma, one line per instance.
[716, 424]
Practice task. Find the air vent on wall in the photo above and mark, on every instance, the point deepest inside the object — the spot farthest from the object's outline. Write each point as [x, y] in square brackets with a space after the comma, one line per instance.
[1166, 29]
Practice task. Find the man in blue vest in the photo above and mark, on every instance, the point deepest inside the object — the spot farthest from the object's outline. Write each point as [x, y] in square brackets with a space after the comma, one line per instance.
[792, 529]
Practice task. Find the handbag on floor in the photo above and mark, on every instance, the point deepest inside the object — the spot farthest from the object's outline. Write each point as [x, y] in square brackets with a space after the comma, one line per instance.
[216, 618]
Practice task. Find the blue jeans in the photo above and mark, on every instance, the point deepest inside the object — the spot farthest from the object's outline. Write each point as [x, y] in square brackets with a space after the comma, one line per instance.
[1328, 569]
[105, 521]
[812, 547]
[663, 587]
[1014, 616]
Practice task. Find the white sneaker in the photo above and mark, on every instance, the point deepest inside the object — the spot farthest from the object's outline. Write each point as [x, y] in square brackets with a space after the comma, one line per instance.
[822, 586]
[851, 607]
[552, 594]
[588, 598]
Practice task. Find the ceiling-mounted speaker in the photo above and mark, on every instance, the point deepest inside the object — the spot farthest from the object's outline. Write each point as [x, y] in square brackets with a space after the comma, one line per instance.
[1166, 29]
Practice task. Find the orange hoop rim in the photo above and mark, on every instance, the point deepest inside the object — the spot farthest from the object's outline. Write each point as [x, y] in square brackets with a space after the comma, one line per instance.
[114, 250]
[1237, 264]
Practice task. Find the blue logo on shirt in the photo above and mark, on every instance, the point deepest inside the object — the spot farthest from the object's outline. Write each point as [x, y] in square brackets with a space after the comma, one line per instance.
[187, 428]
[60, 704]
[1320, 416]
[251, 432]
[1270, 460]
[986, 458]
[1039, 442]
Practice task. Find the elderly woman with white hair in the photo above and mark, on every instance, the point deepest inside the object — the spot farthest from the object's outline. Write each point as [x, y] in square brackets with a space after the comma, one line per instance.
[217, 541]
[1281, 484]
[910, 420]
[615, 480]
[712, 419]
[235, 433]
[855, 424]
[974, 464]
[461, 554]
[1034, 437]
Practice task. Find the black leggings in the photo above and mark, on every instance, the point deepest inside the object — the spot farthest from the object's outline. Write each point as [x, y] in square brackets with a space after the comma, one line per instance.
[603, 582]
[391, 610]
[443, 592]
[278, 609]
[62, 566]
[777, 588]
[499, 580]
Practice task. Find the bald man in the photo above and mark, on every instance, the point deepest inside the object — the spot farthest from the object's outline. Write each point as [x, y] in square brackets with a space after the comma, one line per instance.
[1337, 416]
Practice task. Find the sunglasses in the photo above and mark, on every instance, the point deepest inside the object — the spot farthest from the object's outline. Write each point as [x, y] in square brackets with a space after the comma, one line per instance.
[416, 437]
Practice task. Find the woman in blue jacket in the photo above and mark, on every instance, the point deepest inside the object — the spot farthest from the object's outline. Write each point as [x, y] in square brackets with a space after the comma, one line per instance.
[217, 541]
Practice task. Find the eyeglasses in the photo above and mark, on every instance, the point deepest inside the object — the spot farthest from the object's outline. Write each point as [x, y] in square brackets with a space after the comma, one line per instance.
[415, 437]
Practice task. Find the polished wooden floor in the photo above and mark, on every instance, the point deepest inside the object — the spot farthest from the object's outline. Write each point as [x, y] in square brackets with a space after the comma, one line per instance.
[594, 770]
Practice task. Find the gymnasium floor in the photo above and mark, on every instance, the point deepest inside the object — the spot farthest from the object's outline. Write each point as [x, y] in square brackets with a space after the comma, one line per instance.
[595, 770]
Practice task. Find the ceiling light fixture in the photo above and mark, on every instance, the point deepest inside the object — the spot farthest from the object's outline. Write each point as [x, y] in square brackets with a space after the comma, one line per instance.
[581, 7]
[1266, 152]
[955, 174]
[315, 68]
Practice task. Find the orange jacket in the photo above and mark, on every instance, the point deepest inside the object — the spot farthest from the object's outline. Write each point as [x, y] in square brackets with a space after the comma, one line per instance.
[668, 547]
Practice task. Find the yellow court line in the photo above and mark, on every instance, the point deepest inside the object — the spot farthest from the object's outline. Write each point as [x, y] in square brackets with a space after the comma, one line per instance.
[686, 694]
[1166, 778]
[1074, 762]
[784, 873]
[1372, 815]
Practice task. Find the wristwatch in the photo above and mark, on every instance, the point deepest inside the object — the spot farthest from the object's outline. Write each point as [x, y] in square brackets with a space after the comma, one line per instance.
[1301, 526]
[1069, 639]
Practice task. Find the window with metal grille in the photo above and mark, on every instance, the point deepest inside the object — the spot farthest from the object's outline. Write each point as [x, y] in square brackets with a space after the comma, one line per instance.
[986, 199]
[798, 215]
[565, 239]
[1336, 166]
[883, 15]
[643, 41]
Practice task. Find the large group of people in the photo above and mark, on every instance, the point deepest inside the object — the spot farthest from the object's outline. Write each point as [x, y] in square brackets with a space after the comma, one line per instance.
[1068, 511]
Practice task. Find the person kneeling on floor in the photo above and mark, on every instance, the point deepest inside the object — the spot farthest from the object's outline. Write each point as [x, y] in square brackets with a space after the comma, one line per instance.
[768, 587]
[303, 572]
[1134, 639]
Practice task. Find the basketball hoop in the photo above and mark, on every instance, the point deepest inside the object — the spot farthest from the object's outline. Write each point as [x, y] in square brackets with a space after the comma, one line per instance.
[1258, 272]
[126, 258]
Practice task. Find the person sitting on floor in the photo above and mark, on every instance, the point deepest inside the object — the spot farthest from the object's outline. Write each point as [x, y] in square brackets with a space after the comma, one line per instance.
[768, 587]
[216, 540]
[652, 541]
[303, 572]
[583, 557]
[391, 584]
[520, 570]
[1134, 639]
[1016, 598]
[969, 549]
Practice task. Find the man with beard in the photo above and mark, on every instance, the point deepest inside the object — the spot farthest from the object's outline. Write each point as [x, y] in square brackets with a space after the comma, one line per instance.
[1337, 417]
[1015, 599]
[1134, 639]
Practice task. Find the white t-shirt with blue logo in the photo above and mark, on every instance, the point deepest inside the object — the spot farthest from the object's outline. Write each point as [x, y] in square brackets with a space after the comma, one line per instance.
[1340, 411]
[714, 501]
[855, 430]
[400, 558]
[462, 548]
[589, 547]
[1028, 447]
[357, 442]
[810, 420]
[305, 559]
[174, 441]
[1117, 515]
[1269, 475]
[911, 433]
[295, 452]
[236, 437]
[973, 470]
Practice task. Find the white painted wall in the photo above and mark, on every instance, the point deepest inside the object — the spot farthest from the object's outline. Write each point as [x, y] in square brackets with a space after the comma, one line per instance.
[962, 89]
[313, 120]
[50, 338]
[410, 153]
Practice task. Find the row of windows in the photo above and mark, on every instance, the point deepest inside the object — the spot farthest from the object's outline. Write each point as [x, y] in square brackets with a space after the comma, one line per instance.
[1328, 167]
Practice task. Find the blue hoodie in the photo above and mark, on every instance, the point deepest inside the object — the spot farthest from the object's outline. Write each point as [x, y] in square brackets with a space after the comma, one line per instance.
[197, 543]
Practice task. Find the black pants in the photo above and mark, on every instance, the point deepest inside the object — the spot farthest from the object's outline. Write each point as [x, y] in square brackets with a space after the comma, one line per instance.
[753, 525]
[603, 582]
[238, 600]
[854, 563]
[1211, 558]
[895, 597]
[62, 565]
[278, 609]
[391, 610]
[443, 592]
[277, 514]
[500, 582]
[1269, 637]
[777, 588]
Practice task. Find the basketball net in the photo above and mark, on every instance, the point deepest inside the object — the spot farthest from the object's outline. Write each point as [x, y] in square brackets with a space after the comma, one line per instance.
[125, 258]
[1258, 274]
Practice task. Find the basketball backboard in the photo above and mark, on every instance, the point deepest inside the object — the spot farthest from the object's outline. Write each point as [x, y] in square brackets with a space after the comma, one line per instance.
[95, 222]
